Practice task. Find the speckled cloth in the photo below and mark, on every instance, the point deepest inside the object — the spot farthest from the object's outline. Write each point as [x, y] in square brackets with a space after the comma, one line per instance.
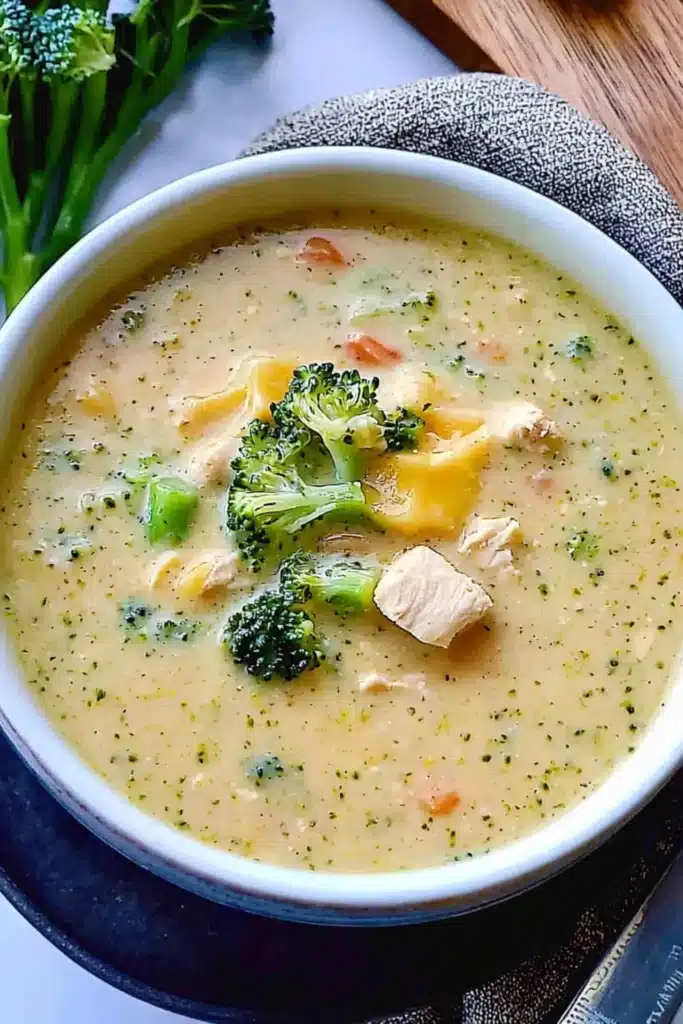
[519, 131]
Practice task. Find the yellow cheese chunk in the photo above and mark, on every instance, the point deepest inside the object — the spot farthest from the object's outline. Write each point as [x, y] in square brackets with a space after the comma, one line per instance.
[431, 492]
[97, 400]
[267, 379]
[449, 419]
[209, 572]
[429, 396]
[195, 412]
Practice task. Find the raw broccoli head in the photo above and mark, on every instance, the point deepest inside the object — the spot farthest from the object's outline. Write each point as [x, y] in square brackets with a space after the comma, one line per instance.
[341, 407]
[346, 584]
[269, 501]
[71, 43]
[15, 50]
[402, 430]
[273, 640]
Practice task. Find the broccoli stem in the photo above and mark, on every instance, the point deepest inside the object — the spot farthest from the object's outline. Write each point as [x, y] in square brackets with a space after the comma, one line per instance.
[10, 206]
[63, 98]
[27, 98]
[18, 271]
[21, 269]
[340, 500]
[90, 165]
[349, 463]
[93, 100]
[350, 587]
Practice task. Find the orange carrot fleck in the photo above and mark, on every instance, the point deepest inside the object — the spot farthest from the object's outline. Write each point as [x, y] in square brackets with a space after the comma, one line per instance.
[318, 250]
[439, 801]
[492, 349]
[366, 349]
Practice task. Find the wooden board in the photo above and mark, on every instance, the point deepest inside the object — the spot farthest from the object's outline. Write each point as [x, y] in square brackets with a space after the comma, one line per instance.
[620, 61]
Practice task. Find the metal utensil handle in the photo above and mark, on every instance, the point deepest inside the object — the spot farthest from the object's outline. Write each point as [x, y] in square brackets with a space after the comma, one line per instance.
[640, 980]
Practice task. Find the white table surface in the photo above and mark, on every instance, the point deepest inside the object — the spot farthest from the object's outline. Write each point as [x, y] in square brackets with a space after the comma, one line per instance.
[321, 48]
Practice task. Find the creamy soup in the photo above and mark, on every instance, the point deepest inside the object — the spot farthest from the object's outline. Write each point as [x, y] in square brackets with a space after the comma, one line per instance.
[395, 753]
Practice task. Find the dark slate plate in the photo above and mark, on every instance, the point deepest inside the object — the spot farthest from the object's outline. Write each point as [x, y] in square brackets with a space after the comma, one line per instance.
[192, 956]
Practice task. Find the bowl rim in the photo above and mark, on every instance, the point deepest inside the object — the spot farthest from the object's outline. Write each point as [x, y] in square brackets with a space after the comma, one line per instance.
[474, 881]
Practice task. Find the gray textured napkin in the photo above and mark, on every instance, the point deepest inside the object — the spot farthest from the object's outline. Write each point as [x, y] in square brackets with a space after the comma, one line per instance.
[519, 131]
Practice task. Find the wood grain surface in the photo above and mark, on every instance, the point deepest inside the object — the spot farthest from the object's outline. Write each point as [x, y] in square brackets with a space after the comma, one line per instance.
[620, 61]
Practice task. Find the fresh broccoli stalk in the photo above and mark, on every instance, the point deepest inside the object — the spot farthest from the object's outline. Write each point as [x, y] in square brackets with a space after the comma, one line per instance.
[170, 509]
[348, 585]
[402, 430]
[273, 640]
[75, 84]
[269, 501]
[341, 408]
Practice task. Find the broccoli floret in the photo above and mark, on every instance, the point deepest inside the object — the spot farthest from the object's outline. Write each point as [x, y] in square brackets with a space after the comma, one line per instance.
[273, 640]
[15, 50]
[71, 44]
[260, 519]
[269, 500]
[402, 430]
[134, 615]
[348, 585]
[341, 407]
[266, 452]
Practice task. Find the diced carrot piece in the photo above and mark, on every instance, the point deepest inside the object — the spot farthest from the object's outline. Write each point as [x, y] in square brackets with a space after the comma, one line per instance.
[439, 801]
[320, 250]
[492, 349]
[368, 350]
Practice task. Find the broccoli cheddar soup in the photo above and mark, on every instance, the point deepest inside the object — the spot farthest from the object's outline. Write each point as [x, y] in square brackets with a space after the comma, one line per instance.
[353, 547]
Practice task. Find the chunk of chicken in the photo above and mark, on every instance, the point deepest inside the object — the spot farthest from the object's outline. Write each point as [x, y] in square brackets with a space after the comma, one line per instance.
[209, 463]
[375, 682]
[425, 595]
[521, 423]
[492, 540]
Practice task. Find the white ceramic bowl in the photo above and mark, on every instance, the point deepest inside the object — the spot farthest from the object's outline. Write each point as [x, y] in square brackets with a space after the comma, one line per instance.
[254, 189]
